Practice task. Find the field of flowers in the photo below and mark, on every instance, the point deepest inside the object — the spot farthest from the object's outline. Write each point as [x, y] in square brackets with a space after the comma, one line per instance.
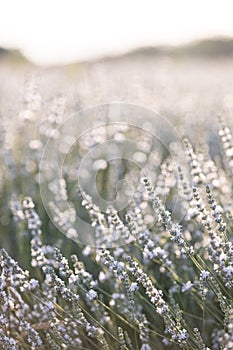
[116, 210]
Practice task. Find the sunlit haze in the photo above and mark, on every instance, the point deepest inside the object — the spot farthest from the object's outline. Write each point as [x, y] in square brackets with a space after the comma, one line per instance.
[59, 31]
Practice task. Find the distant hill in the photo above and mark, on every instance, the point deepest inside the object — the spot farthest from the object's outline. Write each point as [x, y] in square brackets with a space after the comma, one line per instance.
[204, 49]
[220, 47]
[207, 48]
[12, 56]
[3, 51]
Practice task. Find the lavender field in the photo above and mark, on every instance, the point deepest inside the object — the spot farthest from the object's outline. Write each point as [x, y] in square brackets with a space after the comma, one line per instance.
[116, 210]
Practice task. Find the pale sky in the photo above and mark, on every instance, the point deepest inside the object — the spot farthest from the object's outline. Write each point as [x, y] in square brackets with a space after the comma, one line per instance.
[62, 31]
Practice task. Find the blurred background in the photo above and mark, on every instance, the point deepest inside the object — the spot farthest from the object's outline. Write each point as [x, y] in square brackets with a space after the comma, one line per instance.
[172, 56]
[51, 32]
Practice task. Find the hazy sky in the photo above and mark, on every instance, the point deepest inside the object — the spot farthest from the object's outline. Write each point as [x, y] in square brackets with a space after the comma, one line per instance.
[59, 31]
